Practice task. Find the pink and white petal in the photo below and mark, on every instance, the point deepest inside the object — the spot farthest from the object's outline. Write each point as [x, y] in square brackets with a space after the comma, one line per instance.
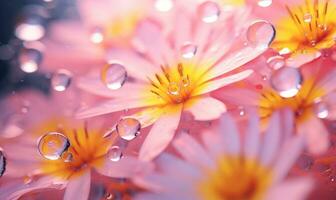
[70, 32]
[288, 154]
[113, 105]
[126, 167]
[216, 84]
[299, 59]
[148, 116]
[165, 196]
[192, 151]
[183, 22]
[295, 189]
[214, 143]
[328, 83]
[271, 140]
[230, 134]
[316, 135]
[252, 138]
[205, 108]
[239, 96]
[161, 133]
[78, 187]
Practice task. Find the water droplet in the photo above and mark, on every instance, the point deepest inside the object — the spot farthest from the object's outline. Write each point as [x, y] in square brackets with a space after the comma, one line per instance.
[67, 156]
[321, 109]
[97, 35]
[313, 43]
[52, 145]
[164, 5]
[27, 179]
[209, 11]
[284, 51]
[276, 62]
[174, 88]
[307, 17]
[114, 154]
[109, 196]
[264, 3]
[128, 128]
[114, 76]
[241, 110]
[260, 34]
[186, 81]
[286, 81]
[29, 60]
[188, 51]
[61, 80]
[2, 163]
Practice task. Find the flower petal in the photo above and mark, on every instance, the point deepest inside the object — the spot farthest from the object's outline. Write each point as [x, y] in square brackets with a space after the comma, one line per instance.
[230, 134]
[148, 116]
[205, 108]
[78, 187]
[161, 134]
[252, 137]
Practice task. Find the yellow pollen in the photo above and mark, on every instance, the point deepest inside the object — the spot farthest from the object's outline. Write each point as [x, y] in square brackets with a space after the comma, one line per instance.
[236, 178]
[301, 104]
[309, 26]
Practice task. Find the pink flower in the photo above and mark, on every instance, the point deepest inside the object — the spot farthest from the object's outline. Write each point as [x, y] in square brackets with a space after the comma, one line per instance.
[172, 73]
[229, 165]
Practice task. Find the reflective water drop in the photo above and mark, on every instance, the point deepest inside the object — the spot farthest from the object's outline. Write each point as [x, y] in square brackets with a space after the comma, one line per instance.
[2, 163]
[174, 88]
[61, 80]
[287, 81]
[264, 3]
[307, 17]
[114, 76]
[209, 11]
[67, 156]
[260, 34]
[276, 62]
[52, 145]
[114, 153]
[27, 179]
[284, 51]
[321, 109]
[97, 35]
[128, 128]
[29, 60]
[188, 51]
[241, 110]
[186, 81]
[164, 5]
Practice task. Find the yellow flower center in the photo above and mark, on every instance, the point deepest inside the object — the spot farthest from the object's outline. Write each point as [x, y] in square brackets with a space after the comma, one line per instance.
[301, 104]
[86, 151]
[236, 179]
[311, 25]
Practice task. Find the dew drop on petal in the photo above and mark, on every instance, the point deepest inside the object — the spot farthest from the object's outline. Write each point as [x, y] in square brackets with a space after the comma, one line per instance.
[264, 3]
[241, 110]
[61, 80]
[209, 11]
[29, 31]
[114, 154]
[27, 179]
[174, 88]
[2, 163]
[188, 51]
[97, 35]
[67, 156]
[276, 62]
[52, 145]
[163, 5]
[321, 109]
[307, 18]
[29, 60]
[185, 81]
[128, 128]
[260, 34]
[286, 81]
[114, 76]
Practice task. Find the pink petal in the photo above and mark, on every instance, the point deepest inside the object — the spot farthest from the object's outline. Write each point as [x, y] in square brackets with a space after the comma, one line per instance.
[221, 82]
[252, 137]
[147, 116]
[214, 143]
[205, 108]
[239, 96]
[328, 83]
[78, 187]
[316, 135]
[192, 151]
[161, 134]
[230, 134]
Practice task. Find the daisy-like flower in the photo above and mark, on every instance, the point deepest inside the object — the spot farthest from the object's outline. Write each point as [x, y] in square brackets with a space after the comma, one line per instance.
[229, 166]
[58, 152]
[175, 73]
[302, 25]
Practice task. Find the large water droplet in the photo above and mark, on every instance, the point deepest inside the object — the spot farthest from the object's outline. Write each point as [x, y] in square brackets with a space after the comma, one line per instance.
[29, 60]
[61, 80]
[52, 145]
[128, 128]
[276, 62]
[114, 153]
[114, 76]
[97, 35]
[174, 88]
[264, 3]
[307, 17]
[164, 5]
[209, 11]
[2, 163]
[321, 109]
[260, 34]
[286, 81]
[188, 50]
